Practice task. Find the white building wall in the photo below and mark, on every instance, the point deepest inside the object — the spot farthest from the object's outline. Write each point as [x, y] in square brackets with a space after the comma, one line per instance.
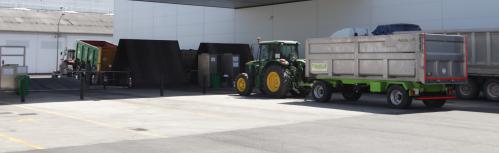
[190, 25]
[41, 47]
[293, 21]
[321, 18]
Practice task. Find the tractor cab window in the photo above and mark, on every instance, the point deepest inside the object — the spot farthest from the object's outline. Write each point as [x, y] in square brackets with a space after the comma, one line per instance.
[267, 52]
[289, 52]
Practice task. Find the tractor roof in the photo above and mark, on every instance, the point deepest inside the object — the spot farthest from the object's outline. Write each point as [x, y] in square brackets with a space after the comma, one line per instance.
[289, 42]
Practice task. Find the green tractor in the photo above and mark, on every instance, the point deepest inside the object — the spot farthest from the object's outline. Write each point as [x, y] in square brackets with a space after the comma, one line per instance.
[276, 72]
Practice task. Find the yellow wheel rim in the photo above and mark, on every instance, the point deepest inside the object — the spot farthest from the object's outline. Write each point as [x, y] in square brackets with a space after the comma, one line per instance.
[273, 82]
[241, 85]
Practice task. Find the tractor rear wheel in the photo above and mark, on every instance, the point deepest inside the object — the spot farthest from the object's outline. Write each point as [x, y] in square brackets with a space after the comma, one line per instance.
[243, 85]
[276, 81]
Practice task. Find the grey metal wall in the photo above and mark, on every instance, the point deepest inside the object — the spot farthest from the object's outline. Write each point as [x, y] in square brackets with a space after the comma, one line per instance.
[321, 18]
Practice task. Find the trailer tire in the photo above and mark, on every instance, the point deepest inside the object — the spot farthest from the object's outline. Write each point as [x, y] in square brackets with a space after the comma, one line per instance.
[434, 103]
[398, 97]
[276, 81]
[470, 90]
[243, 85]
[321, 91]
[491, 89]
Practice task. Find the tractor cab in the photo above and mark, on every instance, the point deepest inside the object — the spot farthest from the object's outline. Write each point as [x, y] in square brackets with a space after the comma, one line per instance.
[278, 50]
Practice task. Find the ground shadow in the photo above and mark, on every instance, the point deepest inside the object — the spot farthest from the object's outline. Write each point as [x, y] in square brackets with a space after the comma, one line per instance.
[97, 93]
[374, 103]
[377, 104]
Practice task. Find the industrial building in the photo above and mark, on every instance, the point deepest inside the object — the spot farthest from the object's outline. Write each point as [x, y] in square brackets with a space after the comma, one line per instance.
[243, 22]
[251, 76]
[37, 31]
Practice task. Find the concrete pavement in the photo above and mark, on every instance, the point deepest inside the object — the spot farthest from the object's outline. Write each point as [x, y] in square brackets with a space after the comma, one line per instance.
[116, 121]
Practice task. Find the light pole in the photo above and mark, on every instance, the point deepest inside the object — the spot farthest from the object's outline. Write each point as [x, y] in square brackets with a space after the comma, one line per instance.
[57, 44]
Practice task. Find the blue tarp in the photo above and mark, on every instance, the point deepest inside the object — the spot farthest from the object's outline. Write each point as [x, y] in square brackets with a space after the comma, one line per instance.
[392, 28]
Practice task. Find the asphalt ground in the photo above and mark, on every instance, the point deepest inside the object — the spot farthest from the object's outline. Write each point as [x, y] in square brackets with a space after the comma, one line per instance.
[139, 121]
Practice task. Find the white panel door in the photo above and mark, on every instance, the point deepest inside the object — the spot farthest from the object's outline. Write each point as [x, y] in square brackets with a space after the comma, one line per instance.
[13, 55]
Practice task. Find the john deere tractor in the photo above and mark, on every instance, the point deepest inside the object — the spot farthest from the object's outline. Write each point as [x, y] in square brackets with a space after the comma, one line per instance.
[276, 72]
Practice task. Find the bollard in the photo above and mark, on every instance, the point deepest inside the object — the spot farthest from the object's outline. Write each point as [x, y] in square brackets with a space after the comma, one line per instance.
[104, 80]
[162, 87]
[204, 85]
[22, 92]
[162, 83]
[82, 86]
[23, 98]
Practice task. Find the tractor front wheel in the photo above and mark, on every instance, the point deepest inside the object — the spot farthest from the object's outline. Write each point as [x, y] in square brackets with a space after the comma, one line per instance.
[276, 82]
[243, 85]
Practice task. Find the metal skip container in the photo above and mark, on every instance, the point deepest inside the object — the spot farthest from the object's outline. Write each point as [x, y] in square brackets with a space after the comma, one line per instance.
[8, 75]
[415, 57]
[98, 54]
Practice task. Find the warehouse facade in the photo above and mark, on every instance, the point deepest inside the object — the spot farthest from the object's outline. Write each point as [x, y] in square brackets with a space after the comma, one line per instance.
[293, 21]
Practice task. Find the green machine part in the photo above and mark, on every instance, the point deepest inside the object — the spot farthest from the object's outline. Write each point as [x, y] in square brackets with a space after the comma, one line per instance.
[380, 86]
[98, 54]
[86, 53]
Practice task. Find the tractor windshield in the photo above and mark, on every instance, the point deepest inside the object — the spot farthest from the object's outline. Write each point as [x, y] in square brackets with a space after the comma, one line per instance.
[266, 51]
[289, 52]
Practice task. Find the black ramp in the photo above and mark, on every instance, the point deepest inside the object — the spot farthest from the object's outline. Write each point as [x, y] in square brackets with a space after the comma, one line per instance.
[243, 50]
[52, 84]
[145, 59]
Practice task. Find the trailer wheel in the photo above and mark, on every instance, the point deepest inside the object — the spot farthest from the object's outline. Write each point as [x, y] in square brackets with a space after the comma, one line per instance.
[491, 89]
[351, 95]
[398, 97]
[321, 91]
[470, 90]
[434, 103]
[243, 85]
[276, 81]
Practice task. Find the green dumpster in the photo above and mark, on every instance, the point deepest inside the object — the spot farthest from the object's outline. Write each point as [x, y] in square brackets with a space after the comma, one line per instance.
[23, 83]
[215, 81]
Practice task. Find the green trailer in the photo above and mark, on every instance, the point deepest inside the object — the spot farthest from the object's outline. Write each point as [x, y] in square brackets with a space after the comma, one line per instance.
[95, 57]
[404, 66]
